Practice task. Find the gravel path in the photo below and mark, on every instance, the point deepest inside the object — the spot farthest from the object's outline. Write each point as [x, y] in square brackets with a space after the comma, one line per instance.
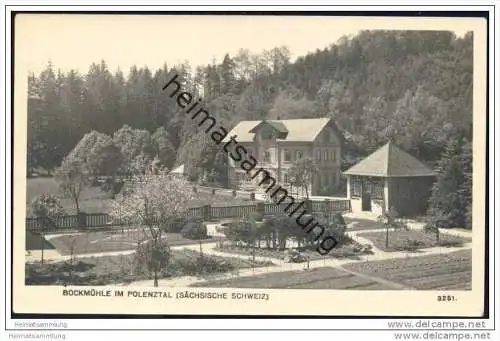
[280, 265]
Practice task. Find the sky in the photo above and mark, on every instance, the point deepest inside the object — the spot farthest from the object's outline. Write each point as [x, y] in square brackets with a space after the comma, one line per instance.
[75, 41]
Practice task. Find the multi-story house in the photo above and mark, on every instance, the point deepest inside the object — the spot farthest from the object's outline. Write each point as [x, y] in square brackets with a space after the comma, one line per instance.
[278, 144]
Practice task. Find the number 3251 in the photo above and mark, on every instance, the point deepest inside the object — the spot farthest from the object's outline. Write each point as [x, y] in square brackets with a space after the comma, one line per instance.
[446, 298]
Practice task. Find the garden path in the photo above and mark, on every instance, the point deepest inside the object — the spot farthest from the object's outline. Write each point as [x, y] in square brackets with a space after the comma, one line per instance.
[281, 266]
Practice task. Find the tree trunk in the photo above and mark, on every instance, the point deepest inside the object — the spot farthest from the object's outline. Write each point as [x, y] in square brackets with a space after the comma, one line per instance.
[42, 237]
[387, 237]
[77, 206]
[155, 279]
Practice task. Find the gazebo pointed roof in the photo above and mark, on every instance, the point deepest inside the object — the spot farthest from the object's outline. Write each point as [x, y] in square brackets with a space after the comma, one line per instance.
[390, 161]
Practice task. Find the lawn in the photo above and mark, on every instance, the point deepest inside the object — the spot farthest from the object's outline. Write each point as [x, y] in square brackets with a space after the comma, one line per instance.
[348, 250]
[451, 271]
[122, 269]
[363, 224]
[319, 278]
[412, 240]
[94, 200]
[34, 242]
[109, 241]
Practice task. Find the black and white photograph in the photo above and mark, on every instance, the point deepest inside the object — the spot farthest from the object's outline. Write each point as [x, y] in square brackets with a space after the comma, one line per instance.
[228, 152]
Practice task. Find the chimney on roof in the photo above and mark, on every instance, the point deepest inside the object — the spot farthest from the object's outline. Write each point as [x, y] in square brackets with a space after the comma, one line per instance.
[278, 118]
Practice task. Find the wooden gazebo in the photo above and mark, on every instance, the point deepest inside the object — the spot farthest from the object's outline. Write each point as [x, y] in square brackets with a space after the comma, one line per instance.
[389, 177]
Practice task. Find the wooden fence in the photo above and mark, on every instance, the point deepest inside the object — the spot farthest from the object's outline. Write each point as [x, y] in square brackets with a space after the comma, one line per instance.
[207, 213]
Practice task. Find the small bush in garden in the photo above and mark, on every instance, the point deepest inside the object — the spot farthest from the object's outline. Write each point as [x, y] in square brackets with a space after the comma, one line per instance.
[194, 230]
[412, 244]
[199, 265]
[256, 216]
[176, 225]
[234, 193]
[152, 257]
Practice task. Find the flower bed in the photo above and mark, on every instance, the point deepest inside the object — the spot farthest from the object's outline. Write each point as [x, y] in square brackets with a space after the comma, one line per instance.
[121, 269]
[412, 240]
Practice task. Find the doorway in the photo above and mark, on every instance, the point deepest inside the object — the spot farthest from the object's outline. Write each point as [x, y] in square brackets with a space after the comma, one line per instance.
[366, 202]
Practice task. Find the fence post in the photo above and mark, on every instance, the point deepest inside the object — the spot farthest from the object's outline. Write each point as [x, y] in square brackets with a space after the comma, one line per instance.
[82, 219]
[260, 208]
[206, 213]
[308, 205]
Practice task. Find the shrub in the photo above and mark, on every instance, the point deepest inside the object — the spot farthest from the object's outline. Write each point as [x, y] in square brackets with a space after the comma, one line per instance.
[412, 244]
[174, 226]
[47, 205]
[198, 265]
[194, 230]
[256, 216]
[234, 192]
[152, 257]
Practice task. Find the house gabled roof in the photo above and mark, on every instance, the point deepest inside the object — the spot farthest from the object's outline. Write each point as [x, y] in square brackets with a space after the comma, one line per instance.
[299, 130]
[277, 125]
[390, 161]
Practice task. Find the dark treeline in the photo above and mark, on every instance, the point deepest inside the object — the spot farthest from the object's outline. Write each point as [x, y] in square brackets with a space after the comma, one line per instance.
[412, 86]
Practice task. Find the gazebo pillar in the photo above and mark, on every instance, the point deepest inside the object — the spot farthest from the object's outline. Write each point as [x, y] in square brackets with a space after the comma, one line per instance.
[349, 187]
[386, 205]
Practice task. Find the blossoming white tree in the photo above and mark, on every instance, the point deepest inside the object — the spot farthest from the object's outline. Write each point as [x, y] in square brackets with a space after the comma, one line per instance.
[154, 201]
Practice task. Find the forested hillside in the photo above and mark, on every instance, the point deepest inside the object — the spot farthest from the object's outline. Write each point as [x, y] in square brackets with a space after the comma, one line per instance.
[412, 86]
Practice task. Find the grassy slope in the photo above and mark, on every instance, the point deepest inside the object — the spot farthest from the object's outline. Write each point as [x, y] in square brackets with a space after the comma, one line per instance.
[94, 200]
[108, 241]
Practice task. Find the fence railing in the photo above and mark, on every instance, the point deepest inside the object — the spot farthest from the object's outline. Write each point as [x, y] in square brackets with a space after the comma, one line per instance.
[85, 221]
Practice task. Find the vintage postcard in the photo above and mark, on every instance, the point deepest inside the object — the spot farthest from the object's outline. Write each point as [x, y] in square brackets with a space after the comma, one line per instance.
[315, 165]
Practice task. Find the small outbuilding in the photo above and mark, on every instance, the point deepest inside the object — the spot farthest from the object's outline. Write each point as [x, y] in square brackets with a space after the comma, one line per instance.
[389, 177]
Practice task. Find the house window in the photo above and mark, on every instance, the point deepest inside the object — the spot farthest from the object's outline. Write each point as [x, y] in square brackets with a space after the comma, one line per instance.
[298, 154]
[240, 177]
[287, 155]
[333, 157]
[318, 155]
[373, 186]
[325, 155]
[356, 186]
[267, 156]
[285, 178]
